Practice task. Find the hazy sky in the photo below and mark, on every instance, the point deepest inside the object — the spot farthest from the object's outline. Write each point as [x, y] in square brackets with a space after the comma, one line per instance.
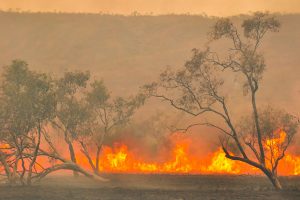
[210, 7]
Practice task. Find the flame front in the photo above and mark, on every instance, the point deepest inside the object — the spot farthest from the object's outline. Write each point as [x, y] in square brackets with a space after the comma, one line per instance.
[181, 159]
[119, 159]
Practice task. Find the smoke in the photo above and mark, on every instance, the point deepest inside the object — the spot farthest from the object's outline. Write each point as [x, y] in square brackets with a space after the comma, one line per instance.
[153, 139]
[128, 52]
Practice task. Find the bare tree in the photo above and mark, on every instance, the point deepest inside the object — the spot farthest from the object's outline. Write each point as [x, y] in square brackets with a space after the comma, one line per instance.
[198, 89]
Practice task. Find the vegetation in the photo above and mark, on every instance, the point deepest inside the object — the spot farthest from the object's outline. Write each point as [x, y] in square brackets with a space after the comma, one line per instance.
[36, 108]
[198, 89]
[106, 113]
[33, 104]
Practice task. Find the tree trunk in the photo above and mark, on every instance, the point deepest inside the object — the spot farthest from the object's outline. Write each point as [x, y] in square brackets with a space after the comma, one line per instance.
[6, 167]
[271, 175]
[98, 158]
[23, 168]
[273, 178]
[85, 151]
[73, 157]
[94, 166]
[69, 166]
[275, 182]
[259, 137]
[35, 153]
[14, 172]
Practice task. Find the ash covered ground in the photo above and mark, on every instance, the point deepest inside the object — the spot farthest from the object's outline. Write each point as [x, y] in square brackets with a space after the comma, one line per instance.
[156, 187]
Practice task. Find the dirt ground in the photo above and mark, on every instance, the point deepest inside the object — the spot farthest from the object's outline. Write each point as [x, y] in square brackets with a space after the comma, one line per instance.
[156, 187]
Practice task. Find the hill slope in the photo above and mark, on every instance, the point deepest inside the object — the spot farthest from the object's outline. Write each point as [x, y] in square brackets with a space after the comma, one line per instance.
[129, 51]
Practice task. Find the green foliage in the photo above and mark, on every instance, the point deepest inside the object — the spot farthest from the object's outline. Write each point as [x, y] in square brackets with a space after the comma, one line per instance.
[243, 55]
[72, 112]
[84, 112]
[28, 98]
[74, 115]
[99, 94]
[259, 24]
[110, 112]
[223, 28]
[68, 85]
[87, 109]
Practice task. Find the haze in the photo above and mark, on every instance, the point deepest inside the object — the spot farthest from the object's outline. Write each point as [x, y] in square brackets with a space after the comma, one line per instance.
[55, 117]
[210, 7]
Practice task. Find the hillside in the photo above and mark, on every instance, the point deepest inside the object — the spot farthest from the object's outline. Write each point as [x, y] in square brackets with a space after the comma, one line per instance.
[130, 51]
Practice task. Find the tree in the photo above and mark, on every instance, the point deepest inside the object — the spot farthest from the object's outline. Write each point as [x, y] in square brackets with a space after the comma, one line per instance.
[278, 129]
[108, 113]
[198, 89]
[71, 110]
[27, 104]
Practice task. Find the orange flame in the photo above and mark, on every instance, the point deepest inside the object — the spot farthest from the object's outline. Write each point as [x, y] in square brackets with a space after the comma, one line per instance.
[119, 159]
[220, 164]
[273, 145]
[182, 159]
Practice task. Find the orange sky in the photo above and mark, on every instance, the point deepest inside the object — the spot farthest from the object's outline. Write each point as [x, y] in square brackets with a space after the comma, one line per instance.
[210, 7]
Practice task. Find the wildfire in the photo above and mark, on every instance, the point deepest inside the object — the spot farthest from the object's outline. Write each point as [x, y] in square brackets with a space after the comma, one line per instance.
[220, 164]
[182, 159]
[119, 159]
[274, 143]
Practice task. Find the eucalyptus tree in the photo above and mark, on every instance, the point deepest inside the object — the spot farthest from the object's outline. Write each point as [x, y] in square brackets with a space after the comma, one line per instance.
[108, 113]
[199, 89]
[27, 104]
[30, 102]
[72, 112]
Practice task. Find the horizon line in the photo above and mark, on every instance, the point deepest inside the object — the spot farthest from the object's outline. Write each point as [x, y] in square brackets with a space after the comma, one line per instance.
[137, 13]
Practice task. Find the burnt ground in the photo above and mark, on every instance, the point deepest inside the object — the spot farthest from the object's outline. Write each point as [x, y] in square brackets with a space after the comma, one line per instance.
[156, 187]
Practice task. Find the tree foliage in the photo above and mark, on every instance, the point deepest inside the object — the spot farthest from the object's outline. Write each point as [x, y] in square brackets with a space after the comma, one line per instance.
[35, 105]
[107, 113]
